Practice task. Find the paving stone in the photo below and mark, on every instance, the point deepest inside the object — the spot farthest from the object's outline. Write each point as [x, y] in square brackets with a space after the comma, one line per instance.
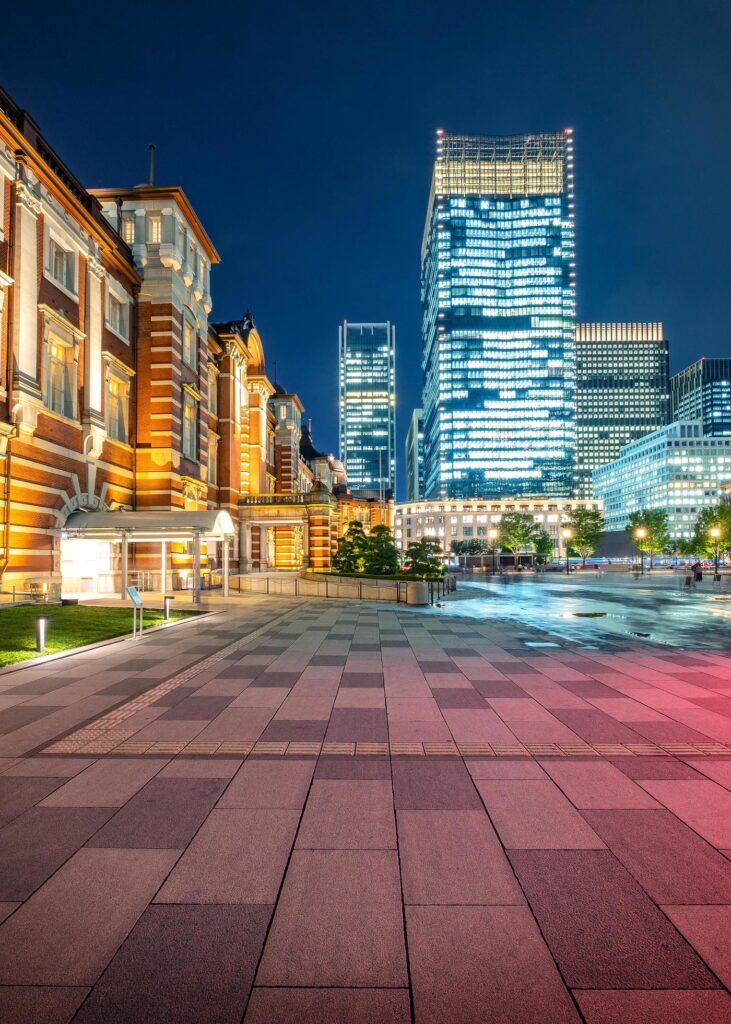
[597, 784]
[453, 857]
[603, 930]
[654, 768]
[165, 815]
[522, 768]
[182, 964]
[361, 697]
[6, 909]
[371, 767]
[433, 785]
[671, 862]
[200, 768]
[703, 805]
[21, 714]
[261, 697]
[708, 930]
[365, 725]
[471, 964]
[298, 730]
[238, 856]
[348, 814]
[237, 725]
[109, 783]
[338, 922]
[717, 770]
[328, 1006]
[39, 1004]
[19, 794]
[497, 688]
[458, 698]
[49, 767]
[71, 927]
[362, 679]
[596, 727]
[269, 784]
[533, 814]
[470, 726]
[197, 709]
[34, 845]
[614, 1007]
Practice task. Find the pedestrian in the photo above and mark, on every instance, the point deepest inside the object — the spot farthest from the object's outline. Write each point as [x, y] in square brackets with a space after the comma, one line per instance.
[697, 570]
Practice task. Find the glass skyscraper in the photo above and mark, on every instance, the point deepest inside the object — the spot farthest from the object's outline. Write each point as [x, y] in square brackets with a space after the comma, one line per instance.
[498, 316]
[414, 457]
[622, 391]
[703, 392]
[368, 406]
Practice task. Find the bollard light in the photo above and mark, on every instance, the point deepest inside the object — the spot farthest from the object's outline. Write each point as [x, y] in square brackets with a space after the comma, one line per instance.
[41, 627]
[166, 602]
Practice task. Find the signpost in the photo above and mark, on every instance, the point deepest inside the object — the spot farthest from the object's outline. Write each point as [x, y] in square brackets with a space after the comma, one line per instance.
[137, 609]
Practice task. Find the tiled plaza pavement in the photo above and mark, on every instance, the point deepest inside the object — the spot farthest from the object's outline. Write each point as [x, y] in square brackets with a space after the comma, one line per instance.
[324, 812]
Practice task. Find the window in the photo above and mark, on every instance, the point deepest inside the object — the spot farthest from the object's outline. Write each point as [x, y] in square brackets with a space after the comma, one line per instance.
[212, 390]
[61, 265]
[190, 427]
[60, 391]
[189, 345]
[117, 407]
[128, 229]
[154, 229]
[212, 459]
[118, 315]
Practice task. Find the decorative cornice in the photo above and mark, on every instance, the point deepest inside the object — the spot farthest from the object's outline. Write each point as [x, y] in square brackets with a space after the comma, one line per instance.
[117, 364]
[58, 317]
[192, 391]
[25, 197]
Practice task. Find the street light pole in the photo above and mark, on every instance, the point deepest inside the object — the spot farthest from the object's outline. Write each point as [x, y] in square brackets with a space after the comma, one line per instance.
[640, 534]
[567, 535]
[493, 535]
[716, 536]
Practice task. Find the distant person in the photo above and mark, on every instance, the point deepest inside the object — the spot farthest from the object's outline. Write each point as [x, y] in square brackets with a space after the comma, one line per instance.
[697, 570]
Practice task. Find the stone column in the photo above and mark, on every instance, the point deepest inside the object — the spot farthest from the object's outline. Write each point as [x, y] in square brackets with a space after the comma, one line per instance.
[244, 547]
[25, 319]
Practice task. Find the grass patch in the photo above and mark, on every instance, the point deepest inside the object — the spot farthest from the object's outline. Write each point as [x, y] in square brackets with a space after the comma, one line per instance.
[70, 626]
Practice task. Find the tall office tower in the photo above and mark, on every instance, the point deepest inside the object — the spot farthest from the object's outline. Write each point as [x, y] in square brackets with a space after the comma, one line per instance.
[622, 391]
[368, 406]
[414, 461]
[703, 392]
[498, 315]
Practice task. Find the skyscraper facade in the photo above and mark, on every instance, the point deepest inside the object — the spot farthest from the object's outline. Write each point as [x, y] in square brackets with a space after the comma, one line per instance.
[622, 391]
[414, 457]
[368, 405]
[703, 392]
[498, 317]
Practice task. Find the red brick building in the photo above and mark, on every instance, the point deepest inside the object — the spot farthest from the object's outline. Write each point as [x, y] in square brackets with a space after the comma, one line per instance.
[125, 416]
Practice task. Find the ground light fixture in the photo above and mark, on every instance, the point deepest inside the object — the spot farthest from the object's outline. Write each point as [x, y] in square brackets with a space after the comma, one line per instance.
[715, 534]
[41, 629]
[640, 534]
[493, 535]
[567, 535]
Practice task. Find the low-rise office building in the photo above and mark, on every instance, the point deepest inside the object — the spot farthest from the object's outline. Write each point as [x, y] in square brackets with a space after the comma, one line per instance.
[677, 469]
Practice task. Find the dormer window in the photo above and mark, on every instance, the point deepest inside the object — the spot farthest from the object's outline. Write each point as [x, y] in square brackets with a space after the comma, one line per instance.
[128, 230]
[154, 229]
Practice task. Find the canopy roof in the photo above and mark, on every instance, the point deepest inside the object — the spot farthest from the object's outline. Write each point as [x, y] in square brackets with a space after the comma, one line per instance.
[215, 523]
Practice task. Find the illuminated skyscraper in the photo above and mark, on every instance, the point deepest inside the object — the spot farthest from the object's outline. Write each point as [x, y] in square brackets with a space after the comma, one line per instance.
[414, 457]
[622, 391]
[703, 392]
[368, 405]
[498, 314]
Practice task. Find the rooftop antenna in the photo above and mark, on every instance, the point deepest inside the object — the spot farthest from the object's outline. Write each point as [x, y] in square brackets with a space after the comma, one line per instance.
[151, 147]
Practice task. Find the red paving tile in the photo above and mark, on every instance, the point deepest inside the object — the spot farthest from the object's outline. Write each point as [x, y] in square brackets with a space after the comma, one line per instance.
[473, 964]
[266, 783]
[453, 857]
[105, 784]
[348, 814]
[705, 806]
[328, 1006]
[597, 784]
[654, 768]
[535, 815]
[708, 930]
[470, 726]
[718, 771]
[238, 856]
[524, 768]
[603, 930]
[433, 785]
[39, 1005]
[338, 922]
[70, 928]
[184, 964]
[655, 1007]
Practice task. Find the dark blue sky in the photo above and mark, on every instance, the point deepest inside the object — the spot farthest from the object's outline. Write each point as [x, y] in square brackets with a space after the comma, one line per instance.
[303, 134]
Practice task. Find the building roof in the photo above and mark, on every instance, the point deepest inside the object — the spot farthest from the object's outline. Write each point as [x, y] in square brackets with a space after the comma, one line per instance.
[152, 525]
[307, 448]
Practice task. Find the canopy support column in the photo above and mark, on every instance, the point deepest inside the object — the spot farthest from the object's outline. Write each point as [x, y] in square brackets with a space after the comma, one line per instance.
[163, 567]
[125, 566]
[225, 566]
[196, 567]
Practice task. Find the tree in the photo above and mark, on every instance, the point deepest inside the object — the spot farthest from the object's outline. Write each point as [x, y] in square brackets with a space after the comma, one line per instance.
[351, 549]
[518, 532]
[654, 523]
[713, 516]
[587, 527]
[422, 557]
[543, 546]
[381, 555]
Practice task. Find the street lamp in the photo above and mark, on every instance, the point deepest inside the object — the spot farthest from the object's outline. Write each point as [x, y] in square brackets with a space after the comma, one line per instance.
[567, 535]
[715, 533]
[640, 534]
[493, 535]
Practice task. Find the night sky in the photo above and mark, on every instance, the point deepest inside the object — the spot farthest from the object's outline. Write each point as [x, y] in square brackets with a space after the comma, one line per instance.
[303, 134]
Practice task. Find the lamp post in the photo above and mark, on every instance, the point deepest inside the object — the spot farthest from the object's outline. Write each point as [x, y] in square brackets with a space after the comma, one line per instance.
[493, 535]
[640, 534]
[715, 533]
[567, 535]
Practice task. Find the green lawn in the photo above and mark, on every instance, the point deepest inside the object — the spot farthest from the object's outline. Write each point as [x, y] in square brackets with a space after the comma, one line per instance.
[70, 626]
